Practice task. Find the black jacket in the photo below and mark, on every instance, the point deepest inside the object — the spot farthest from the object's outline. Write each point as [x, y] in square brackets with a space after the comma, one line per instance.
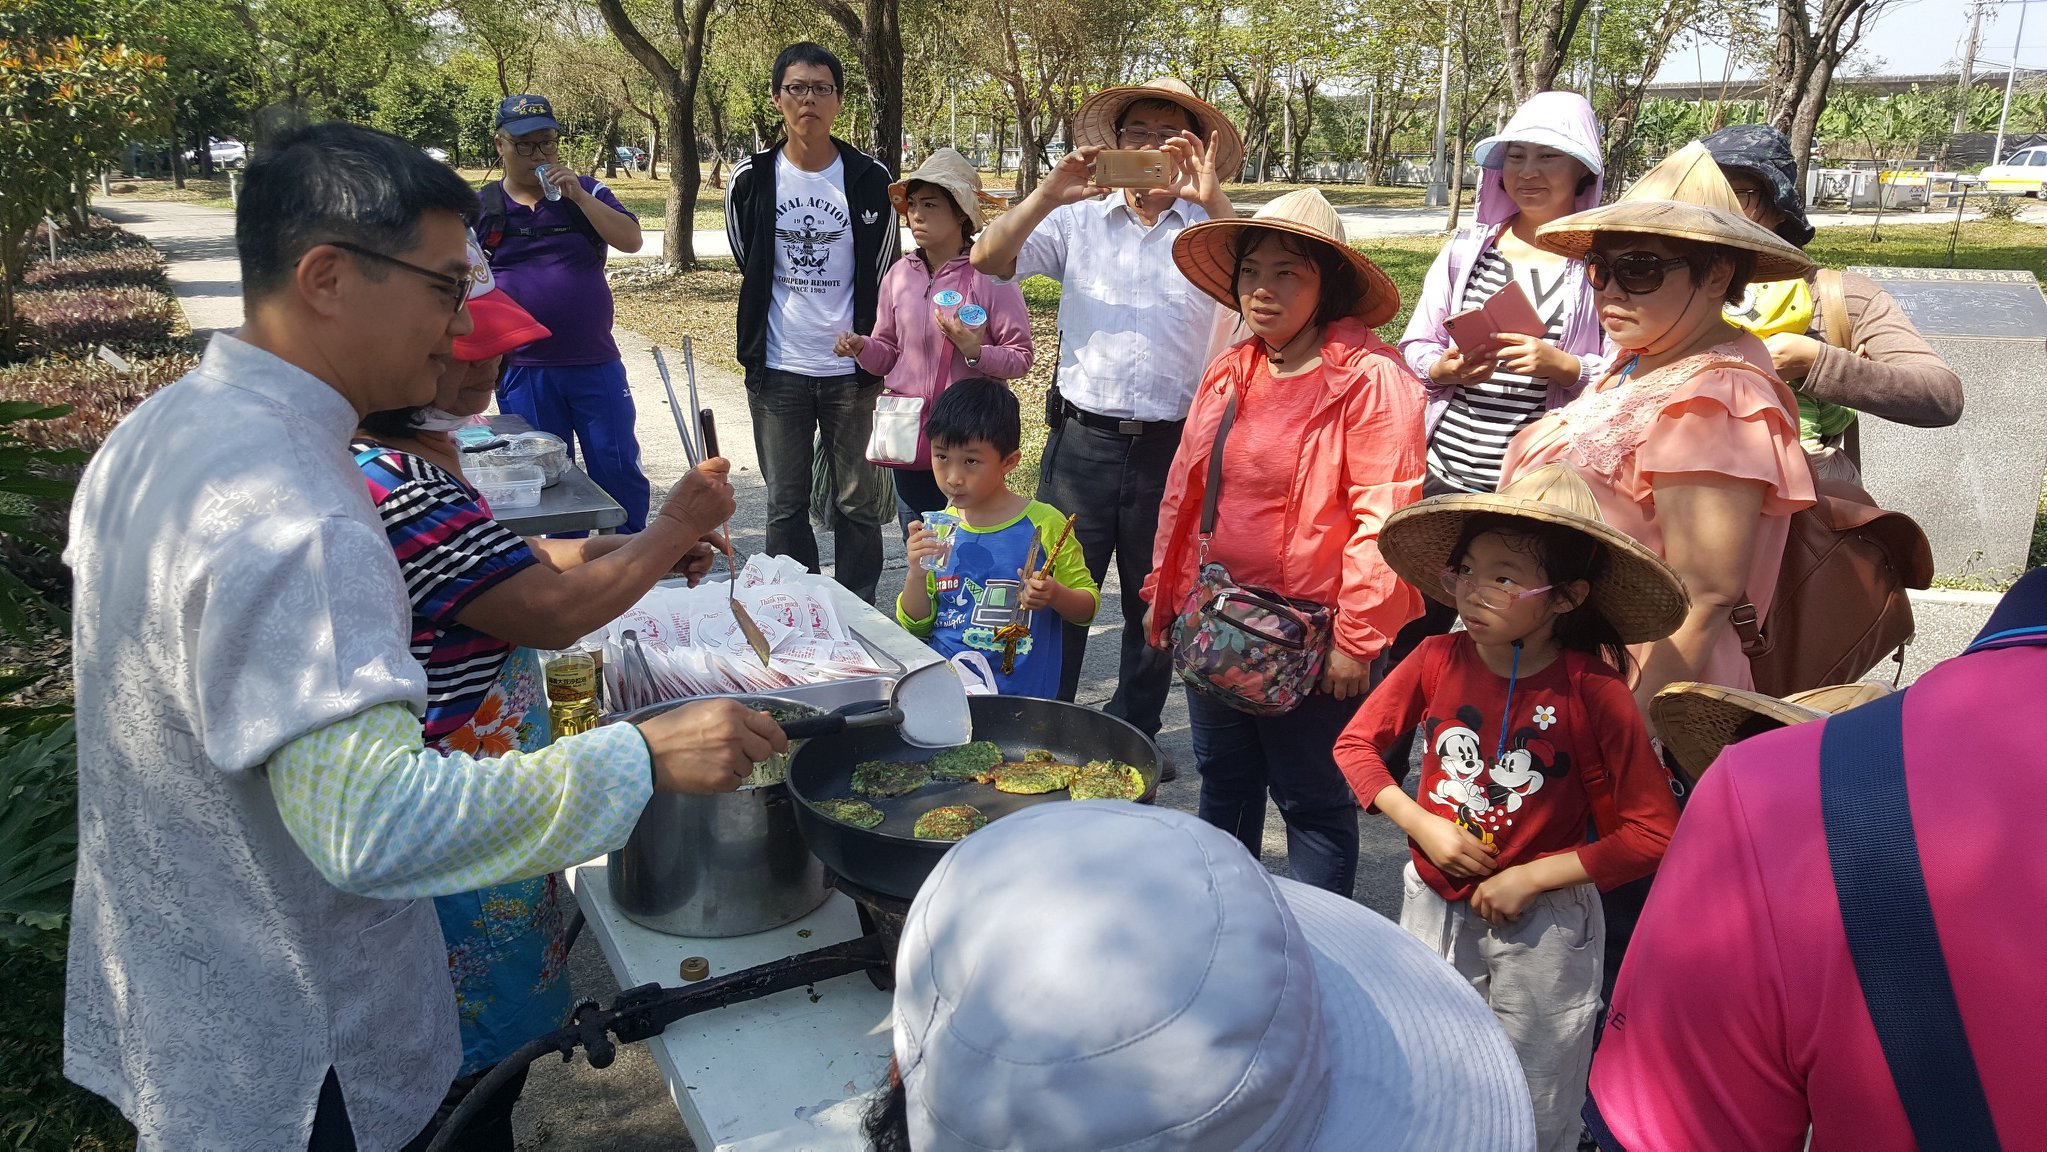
[750, 226]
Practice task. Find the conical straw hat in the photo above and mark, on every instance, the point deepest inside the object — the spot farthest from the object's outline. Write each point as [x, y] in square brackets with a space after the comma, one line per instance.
[1207, 252]
[1687, 198]
[1696, 721]
[1095, 123]
[1641, 595]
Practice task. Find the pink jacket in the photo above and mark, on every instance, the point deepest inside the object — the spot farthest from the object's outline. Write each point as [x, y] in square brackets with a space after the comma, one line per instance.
[907, 348]
[1361, 460]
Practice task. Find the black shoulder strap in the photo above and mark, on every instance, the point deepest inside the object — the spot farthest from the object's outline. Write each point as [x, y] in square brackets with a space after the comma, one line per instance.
[1215, 467]
[1891, 935]
[494, 224]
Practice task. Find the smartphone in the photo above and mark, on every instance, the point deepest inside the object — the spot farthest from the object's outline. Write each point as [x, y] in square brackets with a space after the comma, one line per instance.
[1472, 332]
[1133, 168]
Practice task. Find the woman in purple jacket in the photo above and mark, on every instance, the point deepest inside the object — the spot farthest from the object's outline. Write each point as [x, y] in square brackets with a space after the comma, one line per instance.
[1543, 165]
[939, 321]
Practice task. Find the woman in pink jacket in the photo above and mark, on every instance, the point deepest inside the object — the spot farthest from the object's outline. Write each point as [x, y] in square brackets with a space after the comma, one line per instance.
[1326, 444]
[938, 320]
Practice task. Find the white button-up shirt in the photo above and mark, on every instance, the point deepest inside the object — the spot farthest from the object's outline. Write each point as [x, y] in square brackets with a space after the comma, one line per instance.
[234, 592]
[1134, 335]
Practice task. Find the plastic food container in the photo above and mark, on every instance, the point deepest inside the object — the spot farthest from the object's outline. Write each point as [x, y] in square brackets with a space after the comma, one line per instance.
[543, 450]
[509, 486]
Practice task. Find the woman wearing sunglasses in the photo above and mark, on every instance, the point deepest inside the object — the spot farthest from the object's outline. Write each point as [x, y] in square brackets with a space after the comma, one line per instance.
[1689, 441]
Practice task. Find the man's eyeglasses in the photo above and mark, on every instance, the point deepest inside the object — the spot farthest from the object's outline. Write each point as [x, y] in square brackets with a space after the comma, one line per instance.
[531, 148]
[457, 286]
[1639, 273]
[1492, 597]
[1142, 138]
[1749, 198]
[806, 91]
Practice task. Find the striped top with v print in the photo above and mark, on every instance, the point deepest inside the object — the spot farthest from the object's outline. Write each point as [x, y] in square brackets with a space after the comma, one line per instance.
[1482, 419]
[450, 552]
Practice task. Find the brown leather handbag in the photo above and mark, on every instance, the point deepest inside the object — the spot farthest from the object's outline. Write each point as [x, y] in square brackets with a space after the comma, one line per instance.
[1841, 606]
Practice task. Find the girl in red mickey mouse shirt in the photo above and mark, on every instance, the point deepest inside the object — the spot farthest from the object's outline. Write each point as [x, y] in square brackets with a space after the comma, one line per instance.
[1533, 740]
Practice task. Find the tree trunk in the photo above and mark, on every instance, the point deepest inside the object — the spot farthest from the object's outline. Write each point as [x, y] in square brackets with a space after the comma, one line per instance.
[611, 147]
[1026, 151]
[203, 153]
[716, 111]
[677, 82]
[679, 250]
[1510, 42]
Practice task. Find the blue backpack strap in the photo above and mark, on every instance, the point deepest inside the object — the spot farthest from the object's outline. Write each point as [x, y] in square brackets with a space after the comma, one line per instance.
[1891, 936]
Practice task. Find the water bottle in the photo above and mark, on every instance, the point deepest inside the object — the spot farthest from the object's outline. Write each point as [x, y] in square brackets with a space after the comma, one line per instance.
[547, 187]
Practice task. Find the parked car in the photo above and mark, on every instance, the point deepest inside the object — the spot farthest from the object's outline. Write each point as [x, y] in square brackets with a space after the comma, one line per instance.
[224, 153]
[440, 154]
[632, 159]
[2024, 173]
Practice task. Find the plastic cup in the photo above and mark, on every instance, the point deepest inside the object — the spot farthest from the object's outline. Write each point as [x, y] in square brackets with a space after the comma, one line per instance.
[948, 299]
[942, 525]
[547, 187]
[973, 315]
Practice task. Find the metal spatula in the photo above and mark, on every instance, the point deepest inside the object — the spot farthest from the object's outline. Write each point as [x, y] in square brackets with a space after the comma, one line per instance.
[755, 638]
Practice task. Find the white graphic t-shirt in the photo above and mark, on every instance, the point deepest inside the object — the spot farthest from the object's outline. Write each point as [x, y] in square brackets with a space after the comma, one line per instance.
[812, 300]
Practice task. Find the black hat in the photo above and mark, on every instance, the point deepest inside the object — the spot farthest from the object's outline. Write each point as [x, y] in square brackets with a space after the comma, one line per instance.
[1763, 150]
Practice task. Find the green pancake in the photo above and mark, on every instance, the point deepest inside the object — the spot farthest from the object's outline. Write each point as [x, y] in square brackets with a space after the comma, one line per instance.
[950, 822]
[1040, 756]
[889, 777]
[1028, 778]
[1107, 780]
[846, 810]
[967, 762]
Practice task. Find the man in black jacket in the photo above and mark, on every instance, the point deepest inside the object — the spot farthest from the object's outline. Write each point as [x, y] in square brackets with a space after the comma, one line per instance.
[813, 231]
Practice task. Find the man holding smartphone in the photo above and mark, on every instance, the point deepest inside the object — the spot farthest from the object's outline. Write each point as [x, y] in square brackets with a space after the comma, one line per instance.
[1135, 337]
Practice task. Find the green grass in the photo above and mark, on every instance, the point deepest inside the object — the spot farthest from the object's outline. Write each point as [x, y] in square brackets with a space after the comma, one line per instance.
[1982, 245]
[205, 193]
[40, 1111]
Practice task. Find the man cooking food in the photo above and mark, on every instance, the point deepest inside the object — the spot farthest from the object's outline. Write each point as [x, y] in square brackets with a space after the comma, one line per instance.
[251, 962]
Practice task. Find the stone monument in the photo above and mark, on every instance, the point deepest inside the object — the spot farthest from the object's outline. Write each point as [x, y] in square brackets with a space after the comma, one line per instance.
[1974, 487]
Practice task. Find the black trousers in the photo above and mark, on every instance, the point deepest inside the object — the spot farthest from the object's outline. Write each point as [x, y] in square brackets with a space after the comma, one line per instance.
[1115, 484]
[489, 1131]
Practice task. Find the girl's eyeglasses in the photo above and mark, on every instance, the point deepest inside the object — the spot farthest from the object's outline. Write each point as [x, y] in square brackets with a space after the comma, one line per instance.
[1491, 597]
[1639, 273]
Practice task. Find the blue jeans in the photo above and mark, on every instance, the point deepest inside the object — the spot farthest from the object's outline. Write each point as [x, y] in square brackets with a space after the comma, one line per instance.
[1241, 757]
[590, 407]
[792, 417]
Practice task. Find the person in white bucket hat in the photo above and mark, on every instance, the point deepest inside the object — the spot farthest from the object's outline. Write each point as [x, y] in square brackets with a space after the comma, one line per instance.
[1111, 975]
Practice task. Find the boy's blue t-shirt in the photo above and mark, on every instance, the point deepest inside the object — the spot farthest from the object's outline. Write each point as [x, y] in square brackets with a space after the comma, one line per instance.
[979, 591]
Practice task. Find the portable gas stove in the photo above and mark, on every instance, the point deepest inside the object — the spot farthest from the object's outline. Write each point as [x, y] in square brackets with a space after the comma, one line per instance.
[644, 1012]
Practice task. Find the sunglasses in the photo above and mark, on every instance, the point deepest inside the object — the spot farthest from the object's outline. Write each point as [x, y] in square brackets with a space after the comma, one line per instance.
[457, 286]
[1638, 273]
[1491, 597]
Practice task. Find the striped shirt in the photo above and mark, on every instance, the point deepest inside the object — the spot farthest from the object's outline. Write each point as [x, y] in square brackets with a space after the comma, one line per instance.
[1483, 418]
[450, 552]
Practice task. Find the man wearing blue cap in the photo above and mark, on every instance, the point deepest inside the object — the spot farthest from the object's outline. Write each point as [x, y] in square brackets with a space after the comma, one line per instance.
[547, 235]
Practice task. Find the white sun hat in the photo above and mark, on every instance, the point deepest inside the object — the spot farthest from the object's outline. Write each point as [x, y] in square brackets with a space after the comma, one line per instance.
[1101, 975]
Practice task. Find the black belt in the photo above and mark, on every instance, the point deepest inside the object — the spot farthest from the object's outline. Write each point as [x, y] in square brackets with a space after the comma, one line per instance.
[1115, 424]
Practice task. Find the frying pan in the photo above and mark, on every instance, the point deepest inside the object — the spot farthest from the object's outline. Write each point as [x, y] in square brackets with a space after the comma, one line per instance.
[887, 858]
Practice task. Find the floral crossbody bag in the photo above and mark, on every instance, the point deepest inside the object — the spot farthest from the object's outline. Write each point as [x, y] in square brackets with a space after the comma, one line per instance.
[1251, 648]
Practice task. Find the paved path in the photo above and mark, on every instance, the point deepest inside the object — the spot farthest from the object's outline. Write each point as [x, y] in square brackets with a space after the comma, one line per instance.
[566, 1104]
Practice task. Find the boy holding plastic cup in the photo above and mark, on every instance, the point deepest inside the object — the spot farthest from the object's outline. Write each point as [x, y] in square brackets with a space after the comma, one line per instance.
[938, 321]
[993, 569]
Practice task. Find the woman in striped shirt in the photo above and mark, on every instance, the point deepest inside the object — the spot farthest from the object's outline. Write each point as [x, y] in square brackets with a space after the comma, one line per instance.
[1544, 165]
[483, 601]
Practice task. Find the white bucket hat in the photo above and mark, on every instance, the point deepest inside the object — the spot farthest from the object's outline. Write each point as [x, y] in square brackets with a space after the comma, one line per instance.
[1110, 975]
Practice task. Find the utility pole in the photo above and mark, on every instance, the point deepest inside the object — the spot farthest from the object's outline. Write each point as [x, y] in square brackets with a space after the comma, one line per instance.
[1438, 194]
[1969, 66]
[1592, 61]
[2011, 73]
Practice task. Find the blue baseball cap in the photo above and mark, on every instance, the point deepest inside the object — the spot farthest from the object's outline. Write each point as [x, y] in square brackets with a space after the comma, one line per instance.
[521, 114]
